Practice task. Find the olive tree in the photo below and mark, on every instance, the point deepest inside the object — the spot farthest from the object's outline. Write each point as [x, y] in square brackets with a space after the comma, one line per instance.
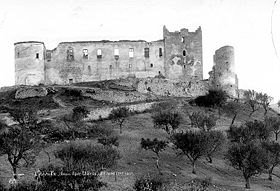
[202, 121]
[251, 99]
[119, 115]
[21, 142]
[273, 124]
[264, 100]
[155, 146]
[273, 149]
[232, 109]
[251, 159]
[192, 144]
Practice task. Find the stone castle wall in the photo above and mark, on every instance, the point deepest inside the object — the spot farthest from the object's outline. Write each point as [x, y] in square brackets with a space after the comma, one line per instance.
[183, 54]
[61, 71]
[29, 63]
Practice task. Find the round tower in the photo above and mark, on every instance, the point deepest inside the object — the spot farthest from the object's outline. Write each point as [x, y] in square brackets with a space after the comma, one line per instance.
[224, 76]
[29, 63]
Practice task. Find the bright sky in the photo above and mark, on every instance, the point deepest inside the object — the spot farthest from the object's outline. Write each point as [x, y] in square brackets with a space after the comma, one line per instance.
[244, 24]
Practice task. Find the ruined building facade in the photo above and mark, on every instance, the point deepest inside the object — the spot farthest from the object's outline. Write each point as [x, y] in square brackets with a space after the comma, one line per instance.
[177, 57]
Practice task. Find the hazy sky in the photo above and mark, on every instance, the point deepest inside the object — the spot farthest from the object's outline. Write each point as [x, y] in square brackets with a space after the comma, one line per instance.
[244, 24]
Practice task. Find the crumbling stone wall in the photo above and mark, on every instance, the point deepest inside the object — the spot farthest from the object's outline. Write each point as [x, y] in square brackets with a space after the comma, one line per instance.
[59, 70]
[166, 87]
[183, 54]
[117, 96]
[26, 92]
[104, 112]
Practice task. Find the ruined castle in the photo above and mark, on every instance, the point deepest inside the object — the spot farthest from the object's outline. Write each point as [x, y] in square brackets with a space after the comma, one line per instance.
[177, 57]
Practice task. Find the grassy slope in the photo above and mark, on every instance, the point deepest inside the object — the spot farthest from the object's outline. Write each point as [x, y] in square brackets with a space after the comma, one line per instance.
[136, 162]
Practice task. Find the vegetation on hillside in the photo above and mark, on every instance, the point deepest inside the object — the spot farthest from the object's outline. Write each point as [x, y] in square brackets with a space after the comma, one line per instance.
[250, 144]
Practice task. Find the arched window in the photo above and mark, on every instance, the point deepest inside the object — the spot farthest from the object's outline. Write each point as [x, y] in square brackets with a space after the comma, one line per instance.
[70, 54]
[99, 53]
[85, 54]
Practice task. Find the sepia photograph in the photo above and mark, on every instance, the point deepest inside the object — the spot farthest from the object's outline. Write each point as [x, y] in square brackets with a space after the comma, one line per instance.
[140, 95]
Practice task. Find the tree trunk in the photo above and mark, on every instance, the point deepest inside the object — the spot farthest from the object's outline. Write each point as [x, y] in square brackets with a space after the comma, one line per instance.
[247, 185]
[209, 159]
[233, 119]
[193, 167]
[157, 163]
[276, 136]
[265, 111]
[15, 171]
[270, 173]
[251, 114]
[120, 129]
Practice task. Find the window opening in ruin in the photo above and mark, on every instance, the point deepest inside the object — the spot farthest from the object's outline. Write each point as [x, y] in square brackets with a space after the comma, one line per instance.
[160, 52]
[184, 66]
[48, 56]
[184, 53]
[70, 54]
[116, 53]
[99, 53]
[130, 53]
[183, 40]
[146, 52]
[85, 54]
[37, 55]
[152, 65]
[70, 81]
[89, 68]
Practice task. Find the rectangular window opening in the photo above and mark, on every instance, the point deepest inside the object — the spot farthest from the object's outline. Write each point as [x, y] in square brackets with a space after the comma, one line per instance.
[131, 53]
[146, 52]
[37, 55]
[116, 53]
[160, 52]
[85, 54]
[99, 53]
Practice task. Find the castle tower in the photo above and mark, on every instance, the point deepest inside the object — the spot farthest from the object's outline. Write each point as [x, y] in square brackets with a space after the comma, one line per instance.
[223, 75]
[29, 63]
[183, 54]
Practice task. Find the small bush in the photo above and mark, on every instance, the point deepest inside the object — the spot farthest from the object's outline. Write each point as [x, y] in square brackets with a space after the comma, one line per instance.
[2, 187]
[212, 99]
[200, 184]
[24, 186]
[73, 93]
[79, 113]
[148, 184]
[109, 141]
[98, 131]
